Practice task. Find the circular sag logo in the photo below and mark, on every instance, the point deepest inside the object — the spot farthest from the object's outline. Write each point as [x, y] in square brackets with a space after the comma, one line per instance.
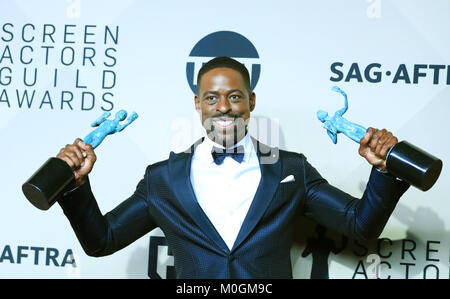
[223, 43]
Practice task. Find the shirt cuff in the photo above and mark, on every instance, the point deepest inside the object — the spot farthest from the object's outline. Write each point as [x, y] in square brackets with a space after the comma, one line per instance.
[388, 173]
[380, 170]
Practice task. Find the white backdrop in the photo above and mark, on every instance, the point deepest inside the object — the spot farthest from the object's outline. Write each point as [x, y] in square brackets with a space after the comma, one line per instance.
[76, 58]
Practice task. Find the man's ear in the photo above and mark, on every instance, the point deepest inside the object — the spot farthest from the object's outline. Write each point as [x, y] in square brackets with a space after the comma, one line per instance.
[197, 103]
[252, 101]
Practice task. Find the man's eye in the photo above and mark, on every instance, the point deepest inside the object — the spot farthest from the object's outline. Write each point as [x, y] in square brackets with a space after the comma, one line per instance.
[235, 97]
[210, 98]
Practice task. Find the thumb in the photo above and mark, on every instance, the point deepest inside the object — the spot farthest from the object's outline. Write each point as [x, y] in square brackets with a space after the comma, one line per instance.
[88, 155]
[366, 138]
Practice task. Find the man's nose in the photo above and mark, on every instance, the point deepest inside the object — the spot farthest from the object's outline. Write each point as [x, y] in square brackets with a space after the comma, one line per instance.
[224, 105]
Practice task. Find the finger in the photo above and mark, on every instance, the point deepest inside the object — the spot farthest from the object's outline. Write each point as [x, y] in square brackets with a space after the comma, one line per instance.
[366, 137]
[91, 155]
[79, 142]
[66, 159]
[389, 143]
[90, 158]
[70, 151]
[63, 156]
[88, 151]
[84, 146]
[384, 150]
[78, 151]
[375, 139]
[382, 141]
[363, 143]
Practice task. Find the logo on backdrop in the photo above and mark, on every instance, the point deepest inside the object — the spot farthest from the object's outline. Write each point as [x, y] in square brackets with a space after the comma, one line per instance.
[379, 258]
[55, 67]
[223, 43]
[402, 74]
[36, 255]
[160, 259]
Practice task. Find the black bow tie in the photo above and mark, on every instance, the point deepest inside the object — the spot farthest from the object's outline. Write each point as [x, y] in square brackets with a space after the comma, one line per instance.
[219, 154]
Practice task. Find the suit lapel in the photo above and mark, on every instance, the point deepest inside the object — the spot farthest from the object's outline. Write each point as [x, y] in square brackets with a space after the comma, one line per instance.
[179, 174]
[270, 166]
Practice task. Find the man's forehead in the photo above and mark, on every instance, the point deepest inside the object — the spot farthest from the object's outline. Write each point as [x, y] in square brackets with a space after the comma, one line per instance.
[224, 71]
[219, 76]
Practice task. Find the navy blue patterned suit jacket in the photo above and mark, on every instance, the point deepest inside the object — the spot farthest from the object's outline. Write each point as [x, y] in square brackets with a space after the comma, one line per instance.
[164, 198]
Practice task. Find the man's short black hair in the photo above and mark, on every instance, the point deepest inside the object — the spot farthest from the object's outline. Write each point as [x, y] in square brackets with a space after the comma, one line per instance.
[228, 62]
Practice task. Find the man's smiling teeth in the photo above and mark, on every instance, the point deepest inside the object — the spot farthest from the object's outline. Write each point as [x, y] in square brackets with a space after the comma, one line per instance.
[224, 123]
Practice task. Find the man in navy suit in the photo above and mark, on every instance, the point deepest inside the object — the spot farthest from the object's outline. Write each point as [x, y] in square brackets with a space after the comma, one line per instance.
[227, 205]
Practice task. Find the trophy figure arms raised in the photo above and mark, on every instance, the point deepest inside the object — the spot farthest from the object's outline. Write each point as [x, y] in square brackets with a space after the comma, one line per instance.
[403, 160]
[55, 177]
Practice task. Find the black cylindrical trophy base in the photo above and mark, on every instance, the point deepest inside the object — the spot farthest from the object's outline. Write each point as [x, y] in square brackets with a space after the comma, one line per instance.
[48, 183]
[413, 165]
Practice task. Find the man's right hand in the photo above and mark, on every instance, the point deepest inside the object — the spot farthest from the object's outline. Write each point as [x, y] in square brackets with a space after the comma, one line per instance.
[80, 157]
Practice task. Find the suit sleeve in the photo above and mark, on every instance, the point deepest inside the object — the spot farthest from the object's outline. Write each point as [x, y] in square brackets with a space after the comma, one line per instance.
[361, 219]
[101, 235]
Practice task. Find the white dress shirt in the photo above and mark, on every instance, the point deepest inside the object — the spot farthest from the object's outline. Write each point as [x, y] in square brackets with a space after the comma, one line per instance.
[225, 192]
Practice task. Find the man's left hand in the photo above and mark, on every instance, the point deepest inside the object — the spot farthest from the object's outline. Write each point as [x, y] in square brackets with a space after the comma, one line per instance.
[375, 145]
